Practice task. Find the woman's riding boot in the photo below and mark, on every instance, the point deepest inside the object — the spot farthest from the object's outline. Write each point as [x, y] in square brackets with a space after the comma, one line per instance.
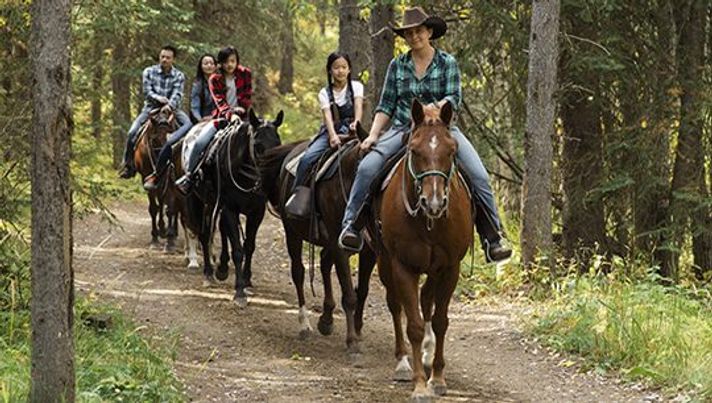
[299, 204]
[184, 184]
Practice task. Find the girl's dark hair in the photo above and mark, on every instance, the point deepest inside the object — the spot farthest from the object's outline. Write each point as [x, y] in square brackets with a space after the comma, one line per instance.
[224, 54]
[200, 78]
[334, 56]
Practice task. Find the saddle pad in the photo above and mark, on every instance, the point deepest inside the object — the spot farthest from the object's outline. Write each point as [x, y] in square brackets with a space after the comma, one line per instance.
[189, 141]
[327, 169]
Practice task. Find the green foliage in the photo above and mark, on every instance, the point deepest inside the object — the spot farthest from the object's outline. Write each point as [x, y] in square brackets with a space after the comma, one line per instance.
[639, 328]
[118, 364]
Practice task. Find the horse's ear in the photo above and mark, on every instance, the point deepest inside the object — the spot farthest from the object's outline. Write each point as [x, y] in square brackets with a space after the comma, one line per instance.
[280, 117]
[416, 112]
[446, 113]
[254, 120]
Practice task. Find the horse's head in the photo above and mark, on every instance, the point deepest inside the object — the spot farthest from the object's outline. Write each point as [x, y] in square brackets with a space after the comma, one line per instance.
[162, 123]
[264, 133]
[431, 157]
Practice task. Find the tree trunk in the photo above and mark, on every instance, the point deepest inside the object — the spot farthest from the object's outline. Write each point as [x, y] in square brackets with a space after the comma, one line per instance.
[688, 181]
[382, 43]
[538, 150]
[52, 276]
[353, 36]
[97, 79]
[582, 168]
[286, 71]
[120, 86]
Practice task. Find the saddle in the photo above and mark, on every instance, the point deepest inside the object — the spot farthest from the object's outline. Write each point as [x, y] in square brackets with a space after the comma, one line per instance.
[325, 168]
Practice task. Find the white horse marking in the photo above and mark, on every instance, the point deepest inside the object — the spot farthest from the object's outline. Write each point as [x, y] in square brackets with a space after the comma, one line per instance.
[434, 143]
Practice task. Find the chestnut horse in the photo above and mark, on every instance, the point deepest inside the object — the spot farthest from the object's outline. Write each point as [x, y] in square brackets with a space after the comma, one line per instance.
[330, 197]
[426, 223]
[152, 137]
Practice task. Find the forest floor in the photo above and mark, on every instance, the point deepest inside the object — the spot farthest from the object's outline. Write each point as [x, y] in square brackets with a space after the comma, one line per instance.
[255, 354]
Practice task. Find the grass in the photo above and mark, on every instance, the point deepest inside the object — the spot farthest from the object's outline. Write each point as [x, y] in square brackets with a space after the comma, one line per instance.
[118, 364]
[639, 329]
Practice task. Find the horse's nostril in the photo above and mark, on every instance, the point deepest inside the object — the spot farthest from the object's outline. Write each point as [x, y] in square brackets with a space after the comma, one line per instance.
[423, 200]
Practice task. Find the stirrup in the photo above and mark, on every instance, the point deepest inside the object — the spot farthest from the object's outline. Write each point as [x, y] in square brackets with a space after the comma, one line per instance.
[350, 239]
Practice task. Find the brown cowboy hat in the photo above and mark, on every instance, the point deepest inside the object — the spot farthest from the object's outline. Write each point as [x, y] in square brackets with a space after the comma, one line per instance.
[415, 16]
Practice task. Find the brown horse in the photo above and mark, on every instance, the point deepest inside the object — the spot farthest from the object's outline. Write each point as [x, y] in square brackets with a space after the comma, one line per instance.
[152, 137]
[426, 229]
[330, 197]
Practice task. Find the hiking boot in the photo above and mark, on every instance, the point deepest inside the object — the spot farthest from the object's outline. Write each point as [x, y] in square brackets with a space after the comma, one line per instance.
[127, 172]
[184, 184]
[350, 239]
[497, 252]
[151, 182]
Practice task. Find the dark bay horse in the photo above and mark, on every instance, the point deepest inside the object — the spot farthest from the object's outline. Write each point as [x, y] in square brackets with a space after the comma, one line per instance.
[330, 196]
[427, 226]
[152, 137]
[231, 187]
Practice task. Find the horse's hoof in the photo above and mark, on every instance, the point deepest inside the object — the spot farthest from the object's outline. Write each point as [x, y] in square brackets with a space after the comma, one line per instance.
[193, 266]
[421, 398]
[325, 328]
[354, 348]
[241, 302]
[438, 389]
[305, 334]
[169, 248]
[222, 273]
[404, 373]
[249, 292]
[154, 246]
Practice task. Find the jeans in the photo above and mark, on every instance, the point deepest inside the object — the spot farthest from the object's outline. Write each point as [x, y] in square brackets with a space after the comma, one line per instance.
[204, 138]
[389, 144]
[165, 155]
[133, 134]
[311, 156]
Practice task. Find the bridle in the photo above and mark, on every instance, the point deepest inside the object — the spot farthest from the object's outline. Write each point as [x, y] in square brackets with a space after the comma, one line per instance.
[417, 178]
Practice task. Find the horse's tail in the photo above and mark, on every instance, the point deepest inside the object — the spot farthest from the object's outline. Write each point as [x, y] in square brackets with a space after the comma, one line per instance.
[270, 163]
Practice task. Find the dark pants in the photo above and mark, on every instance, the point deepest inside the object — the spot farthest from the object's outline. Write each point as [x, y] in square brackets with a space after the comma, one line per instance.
[165, 155]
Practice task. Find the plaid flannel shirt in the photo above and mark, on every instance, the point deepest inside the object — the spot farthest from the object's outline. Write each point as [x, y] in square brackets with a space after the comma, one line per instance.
[441, 81]
[157, 84]
[218, 89]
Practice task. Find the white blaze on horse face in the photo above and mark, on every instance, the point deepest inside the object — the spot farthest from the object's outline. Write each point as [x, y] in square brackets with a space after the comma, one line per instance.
[434, 143]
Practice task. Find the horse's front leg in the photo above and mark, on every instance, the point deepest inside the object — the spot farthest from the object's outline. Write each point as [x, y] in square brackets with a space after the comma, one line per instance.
[294, 248]
[230, 225]
[406, 286]
[442, 292]
[326, 320]
[348, 300]
[366, 262]
[153, 209]
[251, 226]
[403, 372]
[223, 268]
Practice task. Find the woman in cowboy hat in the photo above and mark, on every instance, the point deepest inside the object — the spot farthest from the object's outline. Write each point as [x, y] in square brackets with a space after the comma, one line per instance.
[431, 76]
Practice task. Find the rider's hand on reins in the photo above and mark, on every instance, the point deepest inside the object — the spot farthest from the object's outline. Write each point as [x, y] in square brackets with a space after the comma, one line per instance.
[335, 141]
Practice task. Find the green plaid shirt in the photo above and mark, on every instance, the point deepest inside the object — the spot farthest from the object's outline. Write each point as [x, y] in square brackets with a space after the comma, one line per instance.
[441, 81]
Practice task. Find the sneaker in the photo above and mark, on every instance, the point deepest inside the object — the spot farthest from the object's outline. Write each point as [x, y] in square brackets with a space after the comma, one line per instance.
[184, 183]
[496, 252]
[151, 182]
[127, 172]
[350, 239]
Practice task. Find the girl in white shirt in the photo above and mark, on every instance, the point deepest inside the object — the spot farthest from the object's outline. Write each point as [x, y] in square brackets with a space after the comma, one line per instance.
[342, 95]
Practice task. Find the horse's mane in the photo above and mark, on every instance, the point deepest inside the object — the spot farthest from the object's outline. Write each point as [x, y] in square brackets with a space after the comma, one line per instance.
[270, 163]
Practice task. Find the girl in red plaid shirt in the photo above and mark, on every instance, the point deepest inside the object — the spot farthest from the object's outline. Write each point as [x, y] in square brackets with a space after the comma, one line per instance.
[231, 89]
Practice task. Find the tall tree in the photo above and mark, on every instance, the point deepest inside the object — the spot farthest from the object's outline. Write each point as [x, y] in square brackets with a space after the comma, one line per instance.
[382, 44]
[96, 90]
[120, 88]
[538, 150]
[52, 276]
[286, 71]
[688, 181]
[353, 36]
[583, 223]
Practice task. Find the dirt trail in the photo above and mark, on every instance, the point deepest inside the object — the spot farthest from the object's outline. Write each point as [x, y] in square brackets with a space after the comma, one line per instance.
[255, 354]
